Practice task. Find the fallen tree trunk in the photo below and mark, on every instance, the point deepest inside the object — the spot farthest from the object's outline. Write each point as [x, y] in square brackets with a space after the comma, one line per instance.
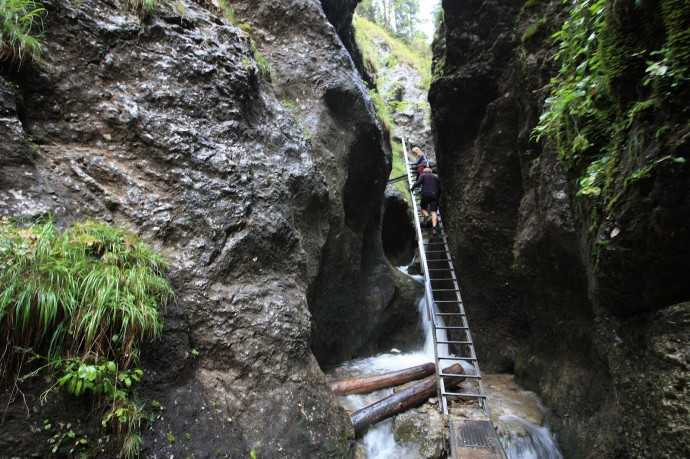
[407, 398]
[391, 379]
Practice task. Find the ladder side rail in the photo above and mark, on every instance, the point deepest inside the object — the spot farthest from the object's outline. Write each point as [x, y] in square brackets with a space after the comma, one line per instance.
[468, 334]
[427, 283]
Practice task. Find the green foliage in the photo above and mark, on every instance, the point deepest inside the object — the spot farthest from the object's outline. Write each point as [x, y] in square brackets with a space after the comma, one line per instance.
[398, 17]
[589, 113]
[288, 104]
[399, 169]
[382, 111]
[529, 5]
[180, 9]
[366, 34]
[385, 104]
[264, 67]
[227, 10]
[535, 31]
[93, 289]
[19, 20]
[578, 92]
[85, 298]
[143, 7]
[65, 438]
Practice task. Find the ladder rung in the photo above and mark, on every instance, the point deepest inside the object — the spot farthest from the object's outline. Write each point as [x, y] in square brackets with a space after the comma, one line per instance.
[461, 376]
[448, 301]
[458, 394]
[450, 357]
[452, 328]
[454, 342]
[442, 278]
[451, 314]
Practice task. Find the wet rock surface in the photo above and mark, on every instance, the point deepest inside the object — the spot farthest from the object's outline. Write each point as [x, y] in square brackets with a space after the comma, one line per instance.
[544, 299]
[269, 212]
[423, 428]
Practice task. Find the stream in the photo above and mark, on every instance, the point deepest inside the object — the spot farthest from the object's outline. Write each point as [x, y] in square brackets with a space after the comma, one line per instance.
[519, 415]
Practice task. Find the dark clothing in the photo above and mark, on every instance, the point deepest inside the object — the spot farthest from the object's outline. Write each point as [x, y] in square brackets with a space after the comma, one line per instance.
[430, 184]
[431, 191]
[429, 202]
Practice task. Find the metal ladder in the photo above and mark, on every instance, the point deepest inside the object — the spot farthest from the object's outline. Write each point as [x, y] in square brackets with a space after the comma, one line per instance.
[444, 306]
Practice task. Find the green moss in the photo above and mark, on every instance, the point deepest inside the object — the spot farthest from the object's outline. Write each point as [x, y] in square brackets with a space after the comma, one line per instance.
[620, 55]
[535, 32]
[676, 16]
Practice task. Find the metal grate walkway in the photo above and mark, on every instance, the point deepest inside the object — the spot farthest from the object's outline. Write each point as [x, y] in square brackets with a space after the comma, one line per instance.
[451, 331]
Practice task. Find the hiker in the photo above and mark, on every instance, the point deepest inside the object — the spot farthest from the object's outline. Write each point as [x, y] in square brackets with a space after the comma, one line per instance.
[431, 192]
[420, 162]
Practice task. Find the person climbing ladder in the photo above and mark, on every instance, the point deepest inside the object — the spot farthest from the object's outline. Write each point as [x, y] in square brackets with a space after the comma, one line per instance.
[420, 161]
[431, 192]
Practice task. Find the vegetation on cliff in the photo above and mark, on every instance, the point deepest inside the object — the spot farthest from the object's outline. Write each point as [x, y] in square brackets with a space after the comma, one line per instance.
[381, 50]
[617, 109]
[76, 305]
[20, 39]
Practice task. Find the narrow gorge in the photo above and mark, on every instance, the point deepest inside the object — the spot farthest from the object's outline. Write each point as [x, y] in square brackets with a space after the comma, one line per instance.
[239, 140]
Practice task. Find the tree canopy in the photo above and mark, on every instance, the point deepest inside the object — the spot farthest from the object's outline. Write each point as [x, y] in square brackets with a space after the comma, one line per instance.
[398, 16]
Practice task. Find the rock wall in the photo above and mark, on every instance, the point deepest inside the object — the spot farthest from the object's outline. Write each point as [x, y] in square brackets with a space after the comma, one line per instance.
[591, 326]
[262, 187]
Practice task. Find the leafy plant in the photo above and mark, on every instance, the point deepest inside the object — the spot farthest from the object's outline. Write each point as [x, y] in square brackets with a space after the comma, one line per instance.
[19, 20]
[64, 437]
[589, 117]
[580, 82]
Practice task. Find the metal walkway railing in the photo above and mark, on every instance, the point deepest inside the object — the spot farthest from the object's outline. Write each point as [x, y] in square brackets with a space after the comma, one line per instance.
[451, 332]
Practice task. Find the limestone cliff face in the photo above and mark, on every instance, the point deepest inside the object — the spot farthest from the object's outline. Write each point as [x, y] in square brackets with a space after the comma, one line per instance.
[584, 312]
[263, 191]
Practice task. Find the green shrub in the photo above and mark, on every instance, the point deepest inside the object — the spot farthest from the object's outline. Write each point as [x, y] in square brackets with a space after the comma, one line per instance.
[18, 21]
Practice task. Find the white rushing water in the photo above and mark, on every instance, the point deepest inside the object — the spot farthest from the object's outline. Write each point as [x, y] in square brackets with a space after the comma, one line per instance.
[523, 440]
[520, 438]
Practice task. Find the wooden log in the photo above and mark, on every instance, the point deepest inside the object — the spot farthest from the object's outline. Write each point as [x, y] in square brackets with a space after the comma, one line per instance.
[391, 379]
[407, 398]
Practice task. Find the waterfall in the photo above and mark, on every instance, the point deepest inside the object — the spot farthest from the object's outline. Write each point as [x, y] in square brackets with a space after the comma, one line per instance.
[523, 440]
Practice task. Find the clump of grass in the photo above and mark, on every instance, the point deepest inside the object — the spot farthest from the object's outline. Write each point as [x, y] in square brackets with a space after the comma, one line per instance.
[94, 289]
[144, 7]
[19, 20]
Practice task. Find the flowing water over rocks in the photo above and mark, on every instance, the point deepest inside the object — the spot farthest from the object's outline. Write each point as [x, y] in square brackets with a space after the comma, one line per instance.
[420, 432]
